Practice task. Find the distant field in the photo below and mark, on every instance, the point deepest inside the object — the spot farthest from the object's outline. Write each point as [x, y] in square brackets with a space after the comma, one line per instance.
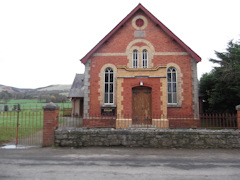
[31, 104]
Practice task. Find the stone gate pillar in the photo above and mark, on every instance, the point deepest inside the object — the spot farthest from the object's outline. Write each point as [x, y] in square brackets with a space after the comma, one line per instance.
[50, 123]
[238, 116]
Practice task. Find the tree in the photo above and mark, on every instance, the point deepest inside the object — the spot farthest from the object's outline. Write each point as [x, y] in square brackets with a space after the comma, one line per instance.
[221, 87]
[56, 98]
[5, 96]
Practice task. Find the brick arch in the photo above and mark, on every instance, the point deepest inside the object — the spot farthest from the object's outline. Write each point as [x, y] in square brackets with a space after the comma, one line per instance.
[134, 45]
[141, 41]
[101, 82]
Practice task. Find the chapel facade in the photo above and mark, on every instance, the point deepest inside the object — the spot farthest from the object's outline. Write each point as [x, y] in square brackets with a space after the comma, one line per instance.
[141, 73]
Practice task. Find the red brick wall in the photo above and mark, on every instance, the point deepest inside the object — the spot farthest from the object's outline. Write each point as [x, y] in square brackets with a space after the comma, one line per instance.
[162, 43]
[184, 122]
[160, 40]
[50, 123]
[184, 62]
[129, 83]
[97, 121]
[96, 65]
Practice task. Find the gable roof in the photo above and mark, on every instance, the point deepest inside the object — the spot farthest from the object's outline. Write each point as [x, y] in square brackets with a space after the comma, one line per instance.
[155, 20]
[77, 89]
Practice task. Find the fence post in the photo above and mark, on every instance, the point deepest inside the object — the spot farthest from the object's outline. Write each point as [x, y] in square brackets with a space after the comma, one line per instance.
[238, 116]
[50, 123]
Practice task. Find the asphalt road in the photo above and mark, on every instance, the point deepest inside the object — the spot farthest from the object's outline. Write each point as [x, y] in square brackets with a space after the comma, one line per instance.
[118, 163]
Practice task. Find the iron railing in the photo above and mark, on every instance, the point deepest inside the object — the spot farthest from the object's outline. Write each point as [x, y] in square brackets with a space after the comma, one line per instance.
[21, 127]
[219, 121]
[124, 121]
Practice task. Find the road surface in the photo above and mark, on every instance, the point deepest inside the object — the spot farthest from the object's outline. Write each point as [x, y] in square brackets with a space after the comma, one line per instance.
[118, 163]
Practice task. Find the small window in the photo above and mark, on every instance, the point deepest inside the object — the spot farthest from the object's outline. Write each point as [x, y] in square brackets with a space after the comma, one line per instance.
[144, 58]
[135, 59]
[172, 85]
[108, 86]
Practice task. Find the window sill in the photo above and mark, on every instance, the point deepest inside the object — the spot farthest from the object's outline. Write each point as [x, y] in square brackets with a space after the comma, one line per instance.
[109, 105]
[174, 106]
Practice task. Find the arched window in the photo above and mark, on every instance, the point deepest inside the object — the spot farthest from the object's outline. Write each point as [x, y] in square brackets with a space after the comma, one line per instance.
[108, 86]
[144, 58]
[135, 58]
[172, 85]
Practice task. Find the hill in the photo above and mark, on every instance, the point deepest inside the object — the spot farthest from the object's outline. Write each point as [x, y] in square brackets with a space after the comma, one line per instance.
[11, 89]
[57, 87]
[42, 90]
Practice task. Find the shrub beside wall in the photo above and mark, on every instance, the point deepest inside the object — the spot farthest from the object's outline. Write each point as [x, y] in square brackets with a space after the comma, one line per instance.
[190, 138]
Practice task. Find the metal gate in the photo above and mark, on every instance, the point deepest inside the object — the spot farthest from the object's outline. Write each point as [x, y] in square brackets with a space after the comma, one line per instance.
[21, 127]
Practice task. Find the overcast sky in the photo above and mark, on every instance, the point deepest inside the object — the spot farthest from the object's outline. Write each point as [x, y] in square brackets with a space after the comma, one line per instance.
[42, 41]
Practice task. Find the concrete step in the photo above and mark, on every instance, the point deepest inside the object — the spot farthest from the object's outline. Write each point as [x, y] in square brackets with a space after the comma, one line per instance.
[142, 126]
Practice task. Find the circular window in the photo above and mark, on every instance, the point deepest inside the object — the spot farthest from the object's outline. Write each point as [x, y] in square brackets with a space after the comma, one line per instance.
[139, 22]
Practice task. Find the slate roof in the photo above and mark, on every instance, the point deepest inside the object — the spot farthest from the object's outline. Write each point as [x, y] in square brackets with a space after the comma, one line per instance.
[77, 89]
[155, 20]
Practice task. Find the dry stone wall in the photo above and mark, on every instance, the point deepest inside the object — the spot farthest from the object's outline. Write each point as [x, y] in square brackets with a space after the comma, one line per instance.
[179, 138]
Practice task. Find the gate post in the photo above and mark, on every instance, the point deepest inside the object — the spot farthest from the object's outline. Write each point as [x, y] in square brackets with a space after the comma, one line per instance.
[238, 116]
[50, 123]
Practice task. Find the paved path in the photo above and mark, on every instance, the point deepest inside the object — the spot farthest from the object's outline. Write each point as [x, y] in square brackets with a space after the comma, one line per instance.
[118, 163]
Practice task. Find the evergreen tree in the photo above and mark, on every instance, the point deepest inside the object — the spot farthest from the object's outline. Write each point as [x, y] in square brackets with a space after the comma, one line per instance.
[221, 87]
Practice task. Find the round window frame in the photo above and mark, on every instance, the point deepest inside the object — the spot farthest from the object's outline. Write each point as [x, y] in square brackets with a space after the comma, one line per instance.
[134, 22]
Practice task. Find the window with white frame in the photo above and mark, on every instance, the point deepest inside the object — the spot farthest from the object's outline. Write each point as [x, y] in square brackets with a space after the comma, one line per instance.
[135, 58]
[172, 85]
[144, 58]
[108, 86]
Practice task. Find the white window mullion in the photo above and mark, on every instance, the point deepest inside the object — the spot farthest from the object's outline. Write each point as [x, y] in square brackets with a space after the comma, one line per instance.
[109, 84]
[135, 59]
[172, 85]
[144, 58]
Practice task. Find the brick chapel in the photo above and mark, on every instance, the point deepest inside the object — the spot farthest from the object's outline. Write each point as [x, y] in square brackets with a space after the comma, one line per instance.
[140, 73]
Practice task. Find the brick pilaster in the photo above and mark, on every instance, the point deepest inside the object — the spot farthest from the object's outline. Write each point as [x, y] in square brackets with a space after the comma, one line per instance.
[50, 123]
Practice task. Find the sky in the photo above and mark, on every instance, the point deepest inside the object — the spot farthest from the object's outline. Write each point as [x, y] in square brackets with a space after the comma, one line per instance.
[42, 41]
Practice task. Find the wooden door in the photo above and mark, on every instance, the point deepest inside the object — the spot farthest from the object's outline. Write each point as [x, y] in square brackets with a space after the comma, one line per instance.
[142, 105]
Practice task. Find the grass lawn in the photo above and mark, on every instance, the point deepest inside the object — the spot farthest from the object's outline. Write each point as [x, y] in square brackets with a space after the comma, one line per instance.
[31, 104]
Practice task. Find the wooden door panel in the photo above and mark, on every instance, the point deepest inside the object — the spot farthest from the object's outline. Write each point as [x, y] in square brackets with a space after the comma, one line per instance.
[141, 105]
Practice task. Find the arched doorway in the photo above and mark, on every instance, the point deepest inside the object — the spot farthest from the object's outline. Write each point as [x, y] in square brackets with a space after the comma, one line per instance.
[141, 105]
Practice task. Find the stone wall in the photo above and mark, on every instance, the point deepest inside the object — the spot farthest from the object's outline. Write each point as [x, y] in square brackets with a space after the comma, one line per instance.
[148, 138]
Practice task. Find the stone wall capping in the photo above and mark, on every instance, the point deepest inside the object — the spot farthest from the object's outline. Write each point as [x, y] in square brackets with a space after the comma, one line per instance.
[238, 108]
[51, 106]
